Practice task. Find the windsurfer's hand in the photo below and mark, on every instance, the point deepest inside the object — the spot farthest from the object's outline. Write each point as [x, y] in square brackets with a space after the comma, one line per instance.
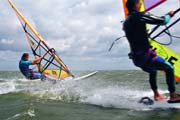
[41, 57]
[171, 13]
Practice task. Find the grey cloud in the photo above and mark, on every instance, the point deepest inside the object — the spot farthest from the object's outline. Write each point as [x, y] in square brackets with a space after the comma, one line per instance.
[81, 31]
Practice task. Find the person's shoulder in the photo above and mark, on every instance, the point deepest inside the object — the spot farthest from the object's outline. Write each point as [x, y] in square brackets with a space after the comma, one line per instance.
[134, 16]
[138, 14]
[26, 61]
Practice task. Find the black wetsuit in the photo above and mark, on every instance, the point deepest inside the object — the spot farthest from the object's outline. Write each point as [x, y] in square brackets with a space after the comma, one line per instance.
[141, 53]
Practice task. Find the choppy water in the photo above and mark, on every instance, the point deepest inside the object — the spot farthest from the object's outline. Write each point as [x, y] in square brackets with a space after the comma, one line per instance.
[109, 95]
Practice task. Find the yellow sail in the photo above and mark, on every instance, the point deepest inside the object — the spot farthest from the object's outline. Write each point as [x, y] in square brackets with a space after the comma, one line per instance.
[51, 65]
[160, 49]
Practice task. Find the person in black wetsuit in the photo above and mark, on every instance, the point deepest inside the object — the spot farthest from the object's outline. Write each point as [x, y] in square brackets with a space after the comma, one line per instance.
[141, 52]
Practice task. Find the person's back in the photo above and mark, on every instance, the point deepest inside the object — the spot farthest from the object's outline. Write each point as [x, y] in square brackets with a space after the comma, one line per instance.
[24, 67]
[135, 30]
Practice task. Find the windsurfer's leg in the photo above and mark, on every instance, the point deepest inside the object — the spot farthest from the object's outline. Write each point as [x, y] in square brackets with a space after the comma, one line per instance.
[153, 84]
[161, 64]
[36, 75]
[152, 80]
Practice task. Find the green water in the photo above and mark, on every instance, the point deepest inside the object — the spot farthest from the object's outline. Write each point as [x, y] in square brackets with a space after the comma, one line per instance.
[109, 95]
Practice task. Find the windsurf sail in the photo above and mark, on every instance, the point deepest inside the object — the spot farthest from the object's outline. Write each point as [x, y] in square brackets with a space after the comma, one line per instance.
[50, 65]
[150, 4]
[160, 49]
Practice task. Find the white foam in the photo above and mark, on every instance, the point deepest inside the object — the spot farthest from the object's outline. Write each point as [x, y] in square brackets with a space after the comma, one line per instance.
[116, 97]
[7, 87]
[111, 96]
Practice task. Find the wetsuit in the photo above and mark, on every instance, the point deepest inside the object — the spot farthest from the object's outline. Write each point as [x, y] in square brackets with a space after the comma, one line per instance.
[28, 73]
[141, 52]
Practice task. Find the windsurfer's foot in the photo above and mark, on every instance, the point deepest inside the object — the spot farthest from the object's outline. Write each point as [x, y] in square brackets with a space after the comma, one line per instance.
[43, 78]
[174, 98]
[160, 98]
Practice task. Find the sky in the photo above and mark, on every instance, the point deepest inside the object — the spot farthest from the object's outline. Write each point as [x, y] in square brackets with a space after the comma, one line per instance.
[81, 31]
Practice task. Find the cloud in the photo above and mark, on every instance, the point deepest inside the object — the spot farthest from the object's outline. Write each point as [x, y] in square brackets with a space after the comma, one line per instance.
[81, 31]
[6, 42]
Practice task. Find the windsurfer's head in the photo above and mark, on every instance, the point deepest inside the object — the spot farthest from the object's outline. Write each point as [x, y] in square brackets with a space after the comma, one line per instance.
[25, 56]
[133, 5]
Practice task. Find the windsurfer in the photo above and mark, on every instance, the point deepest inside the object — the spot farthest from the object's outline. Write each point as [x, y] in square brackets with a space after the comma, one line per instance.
[24, 64]
[141, 52]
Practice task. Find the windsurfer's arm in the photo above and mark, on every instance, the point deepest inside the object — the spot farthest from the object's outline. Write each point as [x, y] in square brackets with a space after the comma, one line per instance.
[36, 60]
[152, 19]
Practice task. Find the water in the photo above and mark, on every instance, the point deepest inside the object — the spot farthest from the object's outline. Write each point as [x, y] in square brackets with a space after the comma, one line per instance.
[109, 95]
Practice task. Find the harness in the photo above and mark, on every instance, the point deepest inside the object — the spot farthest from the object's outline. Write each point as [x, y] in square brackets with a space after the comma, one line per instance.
[143, 58]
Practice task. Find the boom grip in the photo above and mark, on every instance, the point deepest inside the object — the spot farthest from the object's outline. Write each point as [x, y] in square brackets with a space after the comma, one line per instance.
[156, 27]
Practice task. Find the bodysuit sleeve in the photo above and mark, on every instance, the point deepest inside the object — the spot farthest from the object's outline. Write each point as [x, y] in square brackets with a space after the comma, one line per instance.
[152, 19]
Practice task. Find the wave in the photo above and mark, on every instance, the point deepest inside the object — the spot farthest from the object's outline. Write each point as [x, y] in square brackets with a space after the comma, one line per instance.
[29, 114]
[6, 87]
[105, 90]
